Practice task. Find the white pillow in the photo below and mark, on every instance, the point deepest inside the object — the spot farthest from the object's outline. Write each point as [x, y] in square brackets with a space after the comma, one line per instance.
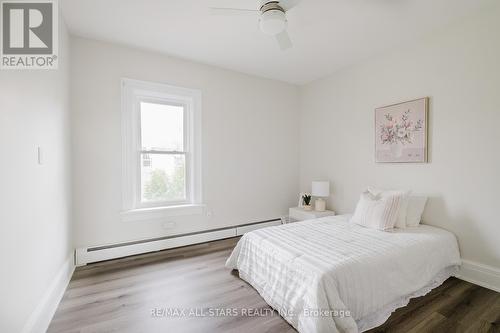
[401, 219]
[376, 211]
[416, 205]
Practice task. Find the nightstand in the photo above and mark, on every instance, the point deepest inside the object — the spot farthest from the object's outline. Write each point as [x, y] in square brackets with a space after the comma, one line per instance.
[299, 214]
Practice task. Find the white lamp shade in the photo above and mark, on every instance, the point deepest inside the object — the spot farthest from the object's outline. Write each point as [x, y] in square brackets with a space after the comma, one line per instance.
[321, 188]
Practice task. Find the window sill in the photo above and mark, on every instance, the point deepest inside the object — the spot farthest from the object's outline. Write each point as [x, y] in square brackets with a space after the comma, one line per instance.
[158, 213]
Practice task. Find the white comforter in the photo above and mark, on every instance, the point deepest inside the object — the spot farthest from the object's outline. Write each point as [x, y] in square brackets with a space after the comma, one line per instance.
[328, 275]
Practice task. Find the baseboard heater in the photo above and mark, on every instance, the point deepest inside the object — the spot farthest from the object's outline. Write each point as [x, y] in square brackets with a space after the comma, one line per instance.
[89, 255]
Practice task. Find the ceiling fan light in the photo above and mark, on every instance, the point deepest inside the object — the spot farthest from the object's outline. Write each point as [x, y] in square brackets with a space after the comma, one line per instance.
[272, 22]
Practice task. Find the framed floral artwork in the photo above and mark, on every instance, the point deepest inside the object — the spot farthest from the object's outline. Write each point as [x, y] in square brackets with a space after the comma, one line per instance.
[401, 132]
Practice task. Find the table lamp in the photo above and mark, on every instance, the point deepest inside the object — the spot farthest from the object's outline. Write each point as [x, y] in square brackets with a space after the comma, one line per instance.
[320, 189]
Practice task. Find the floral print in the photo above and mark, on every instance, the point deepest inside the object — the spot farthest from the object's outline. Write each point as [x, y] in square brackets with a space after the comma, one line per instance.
[399, 130]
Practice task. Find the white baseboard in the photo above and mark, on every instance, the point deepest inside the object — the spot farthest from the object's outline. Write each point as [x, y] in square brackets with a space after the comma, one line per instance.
[40, 318]
[94, 254]
[480, 274]
[86, 256]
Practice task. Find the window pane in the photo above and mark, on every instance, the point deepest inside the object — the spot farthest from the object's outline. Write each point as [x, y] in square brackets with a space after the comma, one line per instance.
[162, 127]
[163, 177]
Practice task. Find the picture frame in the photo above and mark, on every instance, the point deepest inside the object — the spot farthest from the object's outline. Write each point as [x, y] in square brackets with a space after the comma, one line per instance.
[401, 132]
[301, 200]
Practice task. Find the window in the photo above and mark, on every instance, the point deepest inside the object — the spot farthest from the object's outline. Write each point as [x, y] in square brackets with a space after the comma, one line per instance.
[163, 167]
[161, 146]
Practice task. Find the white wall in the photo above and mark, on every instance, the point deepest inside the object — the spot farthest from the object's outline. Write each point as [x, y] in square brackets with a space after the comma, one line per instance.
[249, 142]
[459, 69]
[35, 225]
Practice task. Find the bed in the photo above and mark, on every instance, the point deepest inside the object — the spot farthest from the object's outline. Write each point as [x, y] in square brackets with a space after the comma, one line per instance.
[330, 275]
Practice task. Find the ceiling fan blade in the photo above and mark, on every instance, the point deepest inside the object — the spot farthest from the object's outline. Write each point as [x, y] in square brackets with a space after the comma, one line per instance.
[288, 4]
[232, 11]
[284, 40]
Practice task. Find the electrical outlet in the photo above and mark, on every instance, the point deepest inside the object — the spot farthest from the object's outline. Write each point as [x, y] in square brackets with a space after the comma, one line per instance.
[169, 225]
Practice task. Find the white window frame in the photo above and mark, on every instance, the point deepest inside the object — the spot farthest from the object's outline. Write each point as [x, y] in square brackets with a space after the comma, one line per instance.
[133, 93]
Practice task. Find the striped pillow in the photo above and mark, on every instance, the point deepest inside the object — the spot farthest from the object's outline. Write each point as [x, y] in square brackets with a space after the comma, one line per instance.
[403, 208]
[377, 211]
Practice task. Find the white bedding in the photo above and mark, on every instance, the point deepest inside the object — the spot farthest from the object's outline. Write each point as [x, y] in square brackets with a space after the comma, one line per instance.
[332, 265]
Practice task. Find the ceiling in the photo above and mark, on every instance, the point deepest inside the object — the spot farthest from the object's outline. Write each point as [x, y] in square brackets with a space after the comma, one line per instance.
[327, 34]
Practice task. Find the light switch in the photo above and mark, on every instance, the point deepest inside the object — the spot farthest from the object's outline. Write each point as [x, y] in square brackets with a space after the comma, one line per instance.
[40, 156]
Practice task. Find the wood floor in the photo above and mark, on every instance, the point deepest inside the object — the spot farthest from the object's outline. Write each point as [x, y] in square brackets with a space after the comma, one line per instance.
[148, 293]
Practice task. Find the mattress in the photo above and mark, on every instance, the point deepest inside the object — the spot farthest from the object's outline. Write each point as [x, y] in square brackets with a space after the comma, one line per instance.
[329, 275]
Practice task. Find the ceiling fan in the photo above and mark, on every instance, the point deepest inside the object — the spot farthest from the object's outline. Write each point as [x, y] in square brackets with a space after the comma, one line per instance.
[272, 19]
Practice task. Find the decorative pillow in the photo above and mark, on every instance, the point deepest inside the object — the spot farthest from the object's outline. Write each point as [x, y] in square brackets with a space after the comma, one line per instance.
[401, 219]
[416, 205]
[377, 211]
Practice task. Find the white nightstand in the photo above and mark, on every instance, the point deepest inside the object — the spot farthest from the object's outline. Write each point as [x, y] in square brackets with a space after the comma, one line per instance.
[299, 214]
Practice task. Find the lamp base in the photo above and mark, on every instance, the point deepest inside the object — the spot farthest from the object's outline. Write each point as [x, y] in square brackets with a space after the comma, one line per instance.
[319, 205]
